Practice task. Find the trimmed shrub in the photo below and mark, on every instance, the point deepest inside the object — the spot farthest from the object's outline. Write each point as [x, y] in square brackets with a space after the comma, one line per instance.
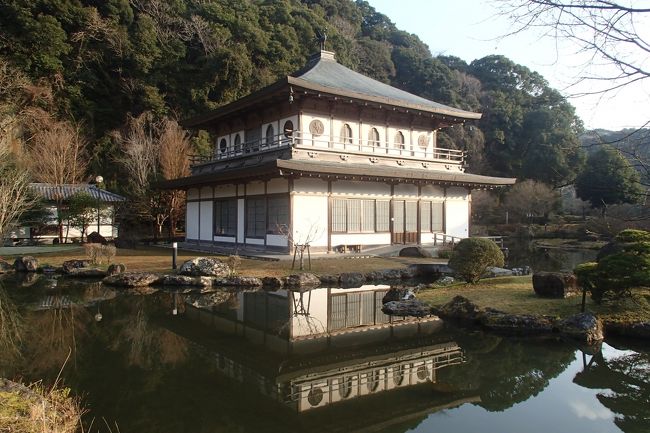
[625, 266]
[472, 257]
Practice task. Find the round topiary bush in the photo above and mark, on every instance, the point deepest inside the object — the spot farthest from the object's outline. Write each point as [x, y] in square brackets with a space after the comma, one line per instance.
[472, 257]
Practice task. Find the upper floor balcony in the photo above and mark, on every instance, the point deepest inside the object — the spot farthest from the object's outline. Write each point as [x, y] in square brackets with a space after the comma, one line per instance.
[298, 144]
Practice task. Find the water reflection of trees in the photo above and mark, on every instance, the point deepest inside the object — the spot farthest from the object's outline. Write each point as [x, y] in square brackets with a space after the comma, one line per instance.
[11, 328]
[507, 371]
[627, 379]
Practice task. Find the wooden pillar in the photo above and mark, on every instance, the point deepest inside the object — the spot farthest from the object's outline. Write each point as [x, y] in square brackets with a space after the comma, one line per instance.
[329, 217]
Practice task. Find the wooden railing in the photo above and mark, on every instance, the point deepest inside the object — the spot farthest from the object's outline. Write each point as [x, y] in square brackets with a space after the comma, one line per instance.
[301, 140]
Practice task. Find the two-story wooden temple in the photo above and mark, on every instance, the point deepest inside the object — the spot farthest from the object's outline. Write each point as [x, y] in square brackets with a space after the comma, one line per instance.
[332, 158]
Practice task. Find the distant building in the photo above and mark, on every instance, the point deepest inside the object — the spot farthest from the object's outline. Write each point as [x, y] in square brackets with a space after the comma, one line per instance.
[58, 195]
[330, 157]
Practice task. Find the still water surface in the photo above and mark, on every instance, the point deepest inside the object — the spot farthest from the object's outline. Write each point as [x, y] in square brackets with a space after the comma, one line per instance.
[322, 360]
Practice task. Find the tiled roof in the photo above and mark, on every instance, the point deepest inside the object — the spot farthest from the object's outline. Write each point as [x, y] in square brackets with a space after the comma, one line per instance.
[65, 191]
[323, 70]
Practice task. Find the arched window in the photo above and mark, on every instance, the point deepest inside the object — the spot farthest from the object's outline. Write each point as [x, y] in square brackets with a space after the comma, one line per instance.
[269, 135]
[223, 146]
[346, 134]
[399, 140]
[237, 143]
[373, 137]
[288, 129]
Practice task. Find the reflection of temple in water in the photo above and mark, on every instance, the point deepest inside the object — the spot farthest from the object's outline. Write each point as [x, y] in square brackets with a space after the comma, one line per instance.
[326, 346]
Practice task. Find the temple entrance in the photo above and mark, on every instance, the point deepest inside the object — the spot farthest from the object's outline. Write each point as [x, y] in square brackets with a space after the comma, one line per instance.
[405, 222]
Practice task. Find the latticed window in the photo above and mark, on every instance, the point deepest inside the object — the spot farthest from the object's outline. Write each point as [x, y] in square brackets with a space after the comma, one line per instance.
[383, 215]
[339, 215]
[225, 217]
[278, 211]
[346, 134]
[411, 216]
[431, 216]
[399, 140]
[373, 137]
[354, 216]
[437, 209]
[256, 217]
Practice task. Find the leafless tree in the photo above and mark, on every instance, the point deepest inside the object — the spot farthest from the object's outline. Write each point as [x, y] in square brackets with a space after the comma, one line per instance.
[613, 33]
[301, 241]
[529, 199]
[174, 163]
[139, 151]
[15, 196]
[56, 150]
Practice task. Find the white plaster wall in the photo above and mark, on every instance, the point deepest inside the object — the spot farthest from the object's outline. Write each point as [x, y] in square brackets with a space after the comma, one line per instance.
[277, 241]
[193, 194]
[277, 185]
[360, 239]
[276, 131]
[217, 151]
[192, 220]
[367, 189]
[456, 218]
[337, 137]
[230, 239]
[307, 185]
[206, 192]
[240, 220]
[458, 193]
[392, 150]
[222, 191]
[316, 141]
[309, 216]
[365, 131]
[433, 192]
[406, 190]
[206, 220]
[255, 188]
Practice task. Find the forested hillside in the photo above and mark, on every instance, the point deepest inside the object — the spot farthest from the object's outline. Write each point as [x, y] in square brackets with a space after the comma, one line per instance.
[92, 63]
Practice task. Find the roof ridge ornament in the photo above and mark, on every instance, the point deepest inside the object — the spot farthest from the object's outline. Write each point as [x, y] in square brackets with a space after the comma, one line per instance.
[321, 37]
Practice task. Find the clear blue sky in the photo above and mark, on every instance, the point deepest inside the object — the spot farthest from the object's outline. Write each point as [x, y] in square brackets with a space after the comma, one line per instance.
[471, 29]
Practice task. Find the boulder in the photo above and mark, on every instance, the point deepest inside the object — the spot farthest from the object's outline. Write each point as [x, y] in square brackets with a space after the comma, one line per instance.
[209, 300]
[494, 271]
[584, 327]
[459, 308]
[352, 279]
[444, 281]
[241, 281]
[386, 274]
[5, 267]
[411, 308]
[206, 267]
[96, 238]
[87, 273]
[26, 264]
[522, 324]
[408, 273]
[414, 252]
[628, 329]
[185, 280]
[555, 284]
[116, 268]
[398, 294]
[272, 283]
[302, 280]
[332, 280]
[70, 265]
[131, 279]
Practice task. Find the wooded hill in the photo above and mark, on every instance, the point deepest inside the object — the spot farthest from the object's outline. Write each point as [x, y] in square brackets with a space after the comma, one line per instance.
[94, 62]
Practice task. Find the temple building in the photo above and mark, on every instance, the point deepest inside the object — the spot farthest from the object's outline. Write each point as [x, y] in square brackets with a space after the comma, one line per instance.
[330, 158]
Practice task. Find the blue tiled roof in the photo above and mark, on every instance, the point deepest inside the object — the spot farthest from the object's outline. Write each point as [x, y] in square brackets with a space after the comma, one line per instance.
[65, 191]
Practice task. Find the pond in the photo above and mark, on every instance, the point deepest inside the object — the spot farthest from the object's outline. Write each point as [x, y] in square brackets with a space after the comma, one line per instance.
[325, 360]
[522, 252]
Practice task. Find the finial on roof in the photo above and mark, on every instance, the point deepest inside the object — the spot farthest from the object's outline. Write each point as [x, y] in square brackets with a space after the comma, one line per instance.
[321, 37]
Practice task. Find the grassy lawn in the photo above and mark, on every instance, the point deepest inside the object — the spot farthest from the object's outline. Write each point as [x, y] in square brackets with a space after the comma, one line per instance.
[515, 295]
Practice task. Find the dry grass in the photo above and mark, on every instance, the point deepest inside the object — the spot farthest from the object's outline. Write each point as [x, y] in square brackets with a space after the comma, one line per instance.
[35, 409]
[160, 260]
[515, 295]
